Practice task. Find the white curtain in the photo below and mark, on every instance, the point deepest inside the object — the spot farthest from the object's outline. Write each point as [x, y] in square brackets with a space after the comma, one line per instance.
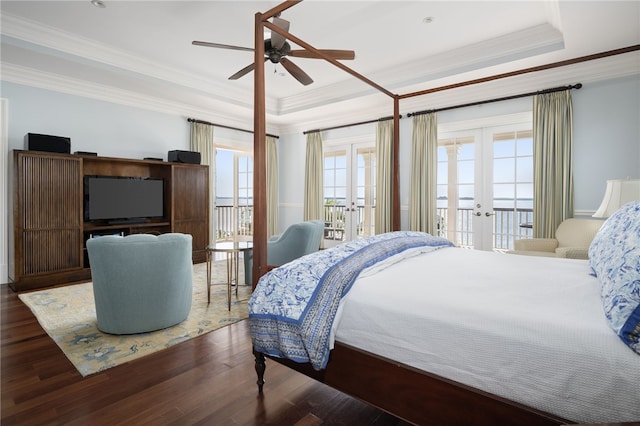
[314, 178]
[552, 161]
[384, 177]
[272, 186]
[424, 163]
[202, 142]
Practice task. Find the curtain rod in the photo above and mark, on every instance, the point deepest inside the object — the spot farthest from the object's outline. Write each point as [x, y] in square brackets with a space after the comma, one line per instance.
[506, 98]
[539, 92]
[193, 120]
[349, 125]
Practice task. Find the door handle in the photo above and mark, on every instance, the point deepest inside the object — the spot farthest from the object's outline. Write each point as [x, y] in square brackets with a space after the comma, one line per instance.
[477, 214]
[487, 214]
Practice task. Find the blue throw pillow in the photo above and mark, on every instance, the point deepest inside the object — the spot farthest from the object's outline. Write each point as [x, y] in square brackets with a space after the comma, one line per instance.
[614, 255]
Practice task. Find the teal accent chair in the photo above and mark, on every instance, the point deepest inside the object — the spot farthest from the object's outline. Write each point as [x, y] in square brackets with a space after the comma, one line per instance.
[141, 282]
[296, 241]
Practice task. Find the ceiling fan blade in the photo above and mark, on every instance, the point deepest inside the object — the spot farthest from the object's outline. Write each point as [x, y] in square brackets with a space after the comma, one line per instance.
[335, 54]
[296, 72]
[220, 46]
[277, 41]
[244, 71]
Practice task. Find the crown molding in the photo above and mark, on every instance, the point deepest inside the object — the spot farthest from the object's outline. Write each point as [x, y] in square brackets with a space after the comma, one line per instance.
[88, 50]
[372, 107]
[321, 107]
[220, 112]
[437, 69]
[338, 113]
[535, 40]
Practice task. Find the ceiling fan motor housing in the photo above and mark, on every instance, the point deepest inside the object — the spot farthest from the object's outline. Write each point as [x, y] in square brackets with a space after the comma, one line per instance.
[276, 54]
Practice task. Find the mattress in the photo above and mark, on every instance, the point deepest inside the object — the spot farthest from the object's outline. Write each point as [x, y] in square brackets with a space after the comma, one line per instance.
[529, 329]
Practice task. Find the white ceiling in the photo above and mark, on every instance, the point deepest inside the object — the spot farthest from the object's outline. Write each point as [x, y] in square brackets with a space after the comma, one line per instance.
[140, 53]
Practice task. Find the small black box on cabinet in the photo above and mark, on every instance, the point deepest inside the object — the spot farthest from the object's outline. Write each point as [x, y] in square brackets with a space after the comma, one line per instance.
[47, 143]
[189, 157]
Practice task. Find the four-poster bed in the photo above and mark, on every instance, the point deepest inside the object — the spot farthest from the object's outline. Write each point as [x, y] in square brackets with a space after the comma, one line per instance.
[410, 393]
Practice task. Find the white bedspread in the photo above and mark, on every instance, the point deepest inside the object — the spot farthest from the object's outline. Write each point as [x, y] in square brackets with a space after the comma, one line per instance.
[530, 329]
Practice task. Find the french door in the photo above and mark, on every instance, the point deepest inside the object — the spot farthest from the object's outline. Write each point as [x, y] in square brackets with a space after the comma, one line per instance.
[243, 200]
[485, 186]
[234, 194]
[349, 192]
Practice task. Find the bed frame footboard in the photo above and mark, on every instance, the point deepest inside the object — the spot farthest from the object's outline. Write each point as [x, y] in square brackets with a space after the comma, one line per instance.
[415, 396]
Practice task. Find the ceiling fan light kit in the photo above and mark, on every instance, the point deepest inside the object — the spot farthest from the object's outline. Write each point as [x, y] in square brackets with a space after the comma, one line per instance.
[276, 49]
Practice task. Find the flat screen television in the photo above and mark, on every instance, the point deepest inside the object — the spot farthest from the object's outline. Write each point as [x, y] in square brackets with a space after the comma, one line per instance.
[123, 199]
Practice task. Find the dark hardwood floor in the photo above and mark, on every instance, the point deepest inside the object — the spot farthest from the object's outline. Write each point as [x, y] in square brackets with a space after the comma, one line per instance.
[209, 380]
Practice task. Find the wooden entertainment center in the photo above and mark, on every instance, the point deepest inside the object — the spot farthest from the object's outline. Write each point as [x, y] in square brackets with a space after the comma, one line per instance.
[47, 231]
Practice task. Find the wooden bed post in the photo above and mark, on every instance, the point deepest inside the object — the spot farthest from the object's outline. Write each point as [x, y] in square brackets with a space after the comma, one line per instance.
[395, 194]
[259, 143]
[259, 158]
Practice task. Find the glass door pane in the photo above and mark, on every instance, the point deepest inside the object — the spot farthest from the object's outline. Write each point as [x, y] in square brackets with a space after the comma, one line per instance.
[234, 195]
[512, 187]
[335, 196]
[456, 188]
[244, 196]
[225, 194]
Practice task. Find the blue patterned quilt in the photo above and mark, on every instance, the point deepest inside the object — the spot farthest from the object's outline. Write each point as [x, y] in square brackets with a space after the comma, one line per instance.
[292, 309]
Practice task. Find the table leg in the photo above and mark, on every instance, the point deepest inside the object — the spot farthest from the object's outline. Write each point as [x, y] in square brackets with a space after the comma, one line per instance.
[208, 277]
[237, 259]
[229, 277]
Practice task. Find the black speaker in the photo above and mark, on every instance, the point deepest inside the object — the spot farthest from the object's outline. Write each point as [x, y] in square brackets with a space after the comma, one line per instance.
[47, 143]
[189, 157]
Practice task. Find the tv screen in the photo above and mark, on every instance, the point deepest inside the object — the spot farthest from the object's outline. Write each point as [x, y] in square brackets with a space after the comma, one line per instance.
[123, 198]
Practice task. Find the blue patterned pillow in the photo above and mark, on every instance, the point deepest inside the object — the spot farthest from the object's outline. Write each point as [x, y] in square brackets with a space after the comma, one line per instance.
[615, 259]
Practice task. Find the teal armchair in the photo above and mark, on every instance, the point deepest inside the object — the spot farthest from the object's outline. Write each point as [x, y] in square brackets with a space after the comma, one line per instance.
[296, 241]
[141, 282]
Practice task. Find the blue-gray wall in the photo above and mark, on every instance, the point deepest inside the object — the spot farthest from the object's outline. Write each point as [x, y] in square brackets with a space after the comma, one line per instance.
[109, 129]
[606, 138]
[606, 123]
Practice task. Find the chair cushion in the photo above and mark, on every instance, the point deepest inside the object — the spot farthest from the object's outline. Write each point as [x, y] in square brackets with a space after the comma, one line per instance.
[573, 252]
[615, 259]
[548, 245]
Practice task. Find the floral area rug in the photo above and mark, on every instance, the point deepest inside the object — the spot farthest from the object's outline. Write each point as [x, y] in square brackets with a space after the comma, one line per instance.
[68, 315]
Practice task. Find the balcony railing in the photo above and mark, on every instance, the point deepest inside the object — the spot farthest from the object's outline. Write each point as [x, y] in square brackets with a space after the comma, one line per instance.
[508, 224]
[335, 218]
[229, 218]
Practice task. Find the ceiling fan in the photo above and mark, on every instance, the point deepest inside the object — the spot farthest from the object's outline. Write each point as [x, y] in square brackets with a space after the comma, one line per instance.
[277, 48]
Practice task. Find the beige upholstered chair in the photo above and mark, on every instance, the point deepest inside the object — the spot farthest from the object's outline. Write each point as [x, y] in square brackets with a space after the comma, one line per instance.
[572, 240]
